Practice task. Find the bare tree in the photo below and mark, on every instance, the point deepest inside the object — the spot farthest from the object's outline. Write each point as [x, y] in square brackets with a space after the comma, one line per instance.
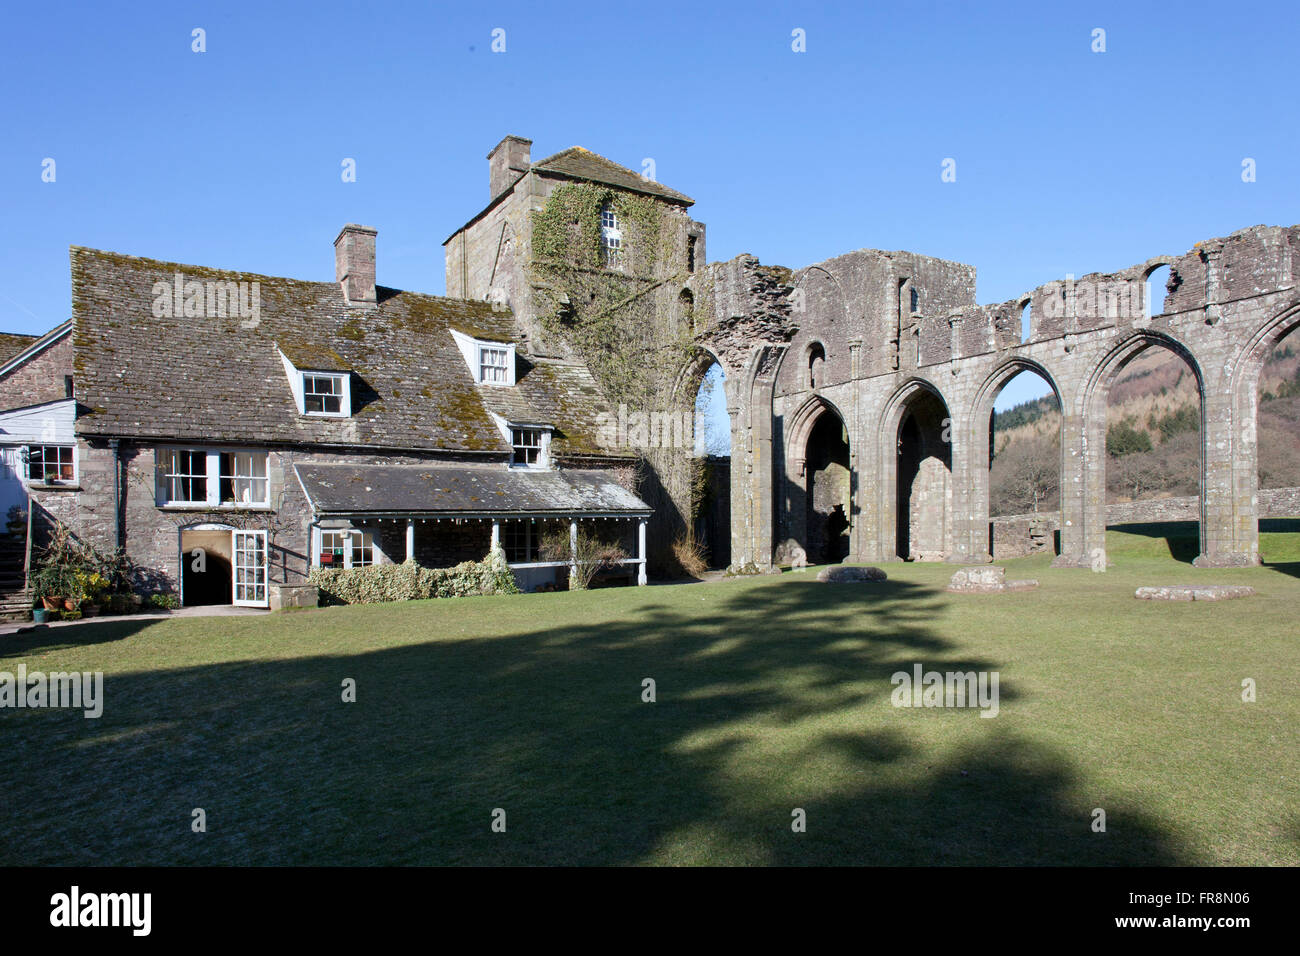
[1025, 474]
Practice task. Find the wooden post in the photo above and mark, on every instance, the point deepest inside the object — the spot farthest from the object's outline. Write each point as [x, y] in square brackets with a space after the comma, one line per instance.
[573, 552]
[640, 553]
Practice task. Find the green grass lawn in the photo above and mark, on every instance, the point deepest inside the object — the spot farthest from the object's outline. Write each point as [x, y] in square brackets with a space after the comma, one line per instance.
[773, 694]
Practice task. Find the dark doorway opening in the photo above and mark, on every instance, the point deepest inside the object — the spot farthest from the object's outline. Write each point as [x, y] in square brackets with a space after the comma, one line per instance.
[829, 490]
[923, 505]
[205, 568]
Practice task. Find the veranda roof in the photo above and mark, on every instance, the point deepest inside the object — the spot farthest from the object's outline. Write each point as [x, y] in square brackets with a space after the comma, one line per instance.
[463, 491]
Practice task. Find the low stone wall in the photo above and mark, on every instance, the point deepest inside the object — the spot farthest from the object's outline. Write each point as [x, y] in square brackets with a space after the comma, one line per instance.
[1014, 536]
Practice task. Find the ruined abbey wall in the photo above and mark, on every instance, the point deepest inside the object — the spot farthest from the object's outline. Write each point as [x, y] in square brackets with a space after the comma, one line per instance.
[870, 336]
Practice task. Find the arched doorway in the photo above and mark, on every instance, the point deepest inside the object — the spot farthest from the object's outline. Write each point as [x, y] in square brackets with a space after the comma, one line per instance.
[1144, 428]
[711, 470]
[1025, 465]
[829, 489]
[1017, 429]
[206, 554]
[923, 504]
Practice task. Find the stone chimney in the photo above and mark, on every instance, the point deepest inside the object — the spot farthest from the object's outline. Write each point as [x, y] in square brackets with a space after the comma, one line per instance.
[354, 264]
[508, 160]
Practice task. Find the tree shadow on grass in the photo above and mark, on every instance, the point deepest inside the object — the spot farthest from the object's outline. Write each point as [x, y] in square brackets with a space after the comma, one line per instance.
[1183, 538]
[45, 638]
[774, 697]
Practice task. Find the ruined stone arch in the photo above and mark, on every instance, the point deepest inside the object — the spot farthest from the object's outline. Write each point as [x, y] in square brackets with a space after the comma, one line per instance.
[1146, 270]
[1242, 437]
[1090, 406]
[687, 384]
[1154, 263]
[1248, 362]
[896, 525]
[1108, 366]
[802, 285]
[820, 483]
[1025, 316]
[801, 422]
[976, 437]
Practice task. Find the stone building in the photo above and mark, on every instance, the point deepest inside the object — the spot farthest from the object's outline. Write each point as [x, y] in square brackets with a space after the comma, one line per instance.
[269, 425]
[276, 423]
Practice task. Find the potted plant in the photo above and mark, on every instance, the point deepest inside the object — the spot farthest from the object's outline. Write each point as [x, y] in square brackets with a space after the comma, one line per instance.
[76, 591]
[93, 588]
[51, 584]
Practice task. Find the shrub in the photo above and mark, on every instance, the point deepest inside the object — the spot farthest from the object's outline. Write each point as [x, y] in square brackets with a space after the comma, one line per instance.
[690, 553]
[378, 583]
[165, 602]
[596, 552]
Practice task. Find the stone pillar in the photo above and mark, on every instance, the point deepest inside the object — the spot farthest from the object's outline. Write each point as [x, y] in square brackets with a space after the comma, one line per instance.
[970, 475]
[1229, 521]
[969, 512]
[856, 455]
[496, 534]
[763, 536]
[410, 539]
[1075, 473]
[753, 470]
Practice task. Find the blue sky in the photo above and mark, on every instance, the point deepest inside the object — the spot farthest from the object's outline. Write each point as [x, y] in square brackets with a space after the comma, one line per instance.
[1067, 161]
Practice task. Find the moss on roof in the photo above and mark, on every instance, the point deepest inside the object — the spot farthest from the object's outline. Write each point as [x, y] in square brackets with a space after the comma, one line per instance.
[11, 343]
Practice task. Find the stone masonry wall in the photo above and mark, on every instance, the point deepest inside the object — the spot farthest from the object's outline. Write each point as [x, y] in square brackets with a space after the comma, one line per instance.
[152, 533]
[1015, 536]
[39, 380]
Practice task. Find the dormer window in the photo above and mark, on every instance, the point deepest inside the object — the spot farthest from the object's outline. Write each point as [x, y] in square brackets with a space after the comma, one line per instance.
[493, 365]
[319, 381]
[324, 394]
[490, 363]
[611, 237]
[527, 444]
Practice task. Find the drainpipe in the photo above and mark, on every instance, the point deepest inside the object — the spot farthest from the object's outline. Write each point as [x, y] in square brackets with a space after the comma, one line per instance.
[114, 444]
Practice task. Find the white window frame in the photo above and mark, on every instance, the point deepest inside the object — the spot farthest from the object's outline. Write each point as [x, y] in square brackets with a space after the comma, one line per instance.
[42, 482]
[368, 538]
[343, 390]
[212, 476]
[251, 479]
[543, 446]
[611, 237]
[173, 475]
[496, 360]
[472, 349]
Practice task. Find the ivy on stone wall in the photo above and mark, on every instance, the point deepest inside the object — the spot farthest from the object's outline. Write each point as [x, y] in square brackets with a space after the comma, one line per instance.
[609, 316]
[625, 324]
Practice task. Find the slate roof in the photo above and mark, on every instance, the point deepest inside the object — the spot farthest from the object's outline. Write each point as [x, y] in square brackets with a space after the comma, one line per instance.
[342, 489]
[11, 343]
[577, 162]
[580, 163]
[213, 379]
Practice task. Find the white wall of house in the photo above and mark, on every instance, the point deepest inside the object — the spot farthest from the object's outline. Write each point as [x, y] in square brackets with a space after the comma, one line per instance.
[49, 424]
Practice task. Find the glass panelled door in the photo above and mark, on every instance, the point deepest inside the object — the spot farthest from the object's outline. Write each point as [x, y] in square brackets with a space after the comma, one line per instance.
[249, 568]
